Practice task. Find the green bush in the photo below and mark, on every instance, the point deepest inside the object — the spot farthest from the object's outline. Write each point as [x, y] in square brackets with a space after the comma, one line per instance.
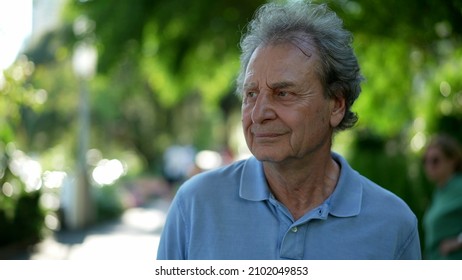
[108, 202]
[21, 216]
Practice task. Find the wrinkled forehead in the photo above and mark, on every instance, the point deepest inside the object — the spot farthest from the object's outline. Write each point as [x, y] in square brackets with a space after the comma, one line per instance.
[308, 52]
[302, 40]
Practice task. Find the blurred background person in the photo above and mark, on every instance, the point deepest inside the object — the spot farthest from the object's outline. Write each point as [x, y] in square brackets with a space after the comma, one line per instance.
[178, 163]
[443, 219]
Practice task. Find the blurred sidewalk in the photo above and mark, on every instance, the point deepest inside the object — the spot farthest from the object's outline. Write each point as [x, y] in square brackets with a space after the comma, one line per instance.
[134, 236]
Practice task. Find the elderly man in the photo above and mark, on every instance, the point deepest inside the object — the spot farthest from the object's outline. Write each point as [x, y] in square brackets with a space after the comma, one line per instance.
[295, 198]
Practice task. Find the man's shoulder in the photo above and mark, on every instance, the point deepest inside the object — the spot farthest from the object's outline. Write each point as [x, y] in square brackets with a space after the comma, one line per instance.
[223, 177]
[378, 191]
[381, 199]
[374, 196]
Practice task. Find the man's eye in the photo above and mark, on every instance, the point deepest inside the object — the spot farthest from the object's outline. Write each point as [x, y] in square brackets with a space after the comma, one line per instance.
[283, 93]
[251, 94]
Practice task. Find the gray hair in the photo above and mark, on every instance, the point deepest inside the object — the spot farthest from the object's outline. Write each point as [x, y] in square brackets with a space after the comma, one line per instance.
[300, 22]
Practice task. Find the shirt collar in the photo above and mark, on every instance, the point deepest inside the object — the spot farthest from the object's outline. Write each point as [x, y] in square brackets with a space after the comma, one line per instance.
[253, 181]
[345, 201]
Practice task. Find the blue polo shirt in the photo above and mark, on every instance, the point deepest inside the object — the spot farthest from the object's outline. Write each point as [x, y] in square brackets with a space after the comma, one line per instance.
[230, 213]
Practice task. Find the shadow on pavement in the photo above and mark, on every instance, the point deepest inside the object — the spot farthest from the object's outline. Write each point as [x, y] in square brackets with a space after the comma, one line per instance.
[135, 235]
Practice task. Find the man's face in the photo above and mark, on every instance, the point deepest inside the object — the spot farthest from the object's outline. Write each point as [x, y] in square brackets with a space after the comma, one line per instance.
[285, 113]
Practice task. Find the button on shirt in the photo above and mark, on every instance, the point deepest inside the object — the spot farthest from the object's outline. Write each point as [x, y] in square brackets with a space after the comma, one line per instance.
[230, 213]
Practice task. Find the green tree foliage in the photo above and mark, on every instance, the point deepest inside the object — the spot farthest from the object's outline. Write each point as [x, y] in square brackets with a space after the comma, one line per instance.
[414, 21]
[179, 46]
[388, 86]
[18, 95]
[401, 46]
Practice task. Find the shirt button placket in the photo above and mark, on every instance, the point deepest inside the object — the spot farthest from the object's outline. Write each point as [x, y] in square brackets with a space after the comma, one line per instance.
[292, 246]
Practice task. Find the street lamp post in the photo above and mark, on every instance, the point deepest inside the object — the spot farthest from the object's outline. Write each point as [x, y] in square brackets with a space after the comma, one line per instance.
[82, 210]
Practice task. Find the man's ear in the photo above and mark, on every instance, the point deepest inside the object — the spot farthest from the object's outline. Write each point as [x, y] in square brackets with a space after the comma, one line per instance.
[337, 109]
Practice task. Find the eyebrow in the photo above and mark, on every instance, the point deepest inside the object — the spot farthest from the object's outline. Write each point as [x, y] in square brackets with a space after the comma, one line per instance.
[249, 85]
[276, 85]
[279, 85]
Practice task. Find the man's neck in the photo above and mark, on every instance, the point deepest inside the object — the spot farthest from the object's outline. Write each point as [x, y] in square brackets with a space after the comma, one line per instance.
[302, 187]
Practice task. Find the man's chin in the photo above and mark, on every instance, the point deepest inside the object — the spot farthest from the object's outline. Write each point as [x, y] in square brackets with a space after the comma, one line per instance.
[266, 157]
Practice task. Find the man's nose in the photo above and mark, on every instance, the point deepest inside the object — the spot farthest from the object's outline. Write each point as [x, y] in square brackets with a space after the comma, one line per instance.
[263, 109]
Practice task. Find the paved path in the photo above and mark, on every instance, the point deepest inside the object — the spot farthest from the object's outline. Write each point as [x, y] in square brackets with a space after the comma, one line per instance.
[134, 236]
